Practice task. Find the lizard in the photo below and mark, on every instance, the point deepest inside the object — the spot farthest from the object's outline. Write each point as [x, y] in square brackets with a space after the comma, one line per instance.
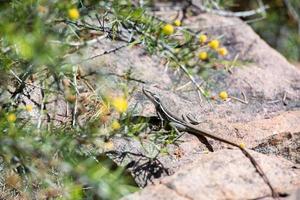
[182, 124]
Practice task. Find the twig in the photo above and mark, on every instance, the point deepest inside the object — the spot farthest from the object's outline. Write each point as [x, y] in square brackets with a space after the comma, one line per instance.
[233, 63]
[284, 99]
[89, 85]
[41, 110]
[30, 84]
[233, 14]
[183, 86]
[244, 100]
[199, 89]
[95, 28]
[22, 82]
[76, 101]
[167, 66]
[293, 12]
[104, 53]
[274, 101]
[261, 4]
[79, 44]
[238, 99]
[126, 77]
[244, 96]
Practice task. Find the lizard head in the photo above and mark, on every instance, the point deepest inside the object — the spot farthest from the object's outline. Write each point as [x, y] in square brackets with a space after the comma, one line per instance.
[151, 96]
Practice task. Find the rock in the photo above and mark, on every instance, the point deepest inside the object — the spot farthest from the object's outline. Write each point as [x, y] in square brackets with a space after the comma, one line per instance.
[254, 131]
[226, 174]
[270, 83]
[286, 145]
[132, 61]
[156, 192]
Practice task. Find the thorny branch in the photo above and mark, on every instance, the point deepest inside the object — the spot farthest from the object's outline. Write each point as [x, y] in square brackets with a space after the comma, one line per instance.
[106, 52]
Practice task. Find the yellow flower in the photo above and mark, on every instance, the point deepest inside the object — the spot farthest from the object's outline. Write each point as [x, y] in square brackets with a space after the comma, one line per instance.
[11, 117]
[203, 55]
[223, 95]
[29, 108]
[168, 29]
[42, 9]
[115, 125]
[222, 51]
[202, 38]
[242, 145]
[108, 145]
[214, 44]
[177, 22]
[73, 13]
[120, 104]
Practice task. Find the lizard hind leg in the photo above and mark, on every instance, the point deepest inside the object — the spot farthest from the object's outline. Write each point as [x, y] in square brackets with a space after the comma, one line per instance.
[190, 118]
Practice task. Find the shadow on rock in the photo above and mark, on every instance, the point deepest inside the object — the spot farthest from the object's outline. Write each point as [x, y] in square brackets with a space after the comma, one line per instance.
[144, 169]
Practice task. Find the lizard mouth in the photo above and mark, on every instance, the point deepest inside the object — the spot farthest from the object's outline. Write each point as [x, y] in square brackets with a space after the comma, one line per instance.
[151, 96]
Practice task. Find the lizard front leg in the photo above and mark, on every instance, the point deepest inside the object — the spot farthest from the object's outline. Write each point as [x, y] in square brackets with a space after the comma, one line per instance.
[161, 120]
[177, 126]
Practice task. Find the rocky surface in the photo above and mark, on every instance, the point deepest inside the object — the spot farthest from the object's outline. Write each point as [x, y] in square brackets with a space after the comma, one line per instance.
[284, 144]
[188, 171]
[225, 174]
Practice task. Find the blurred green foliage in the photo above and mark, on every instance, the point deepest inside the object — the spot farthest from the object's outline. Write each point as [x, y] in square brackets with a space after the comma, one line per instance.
[26, 26]
[55, 159]
[280, 28]
[53, 162]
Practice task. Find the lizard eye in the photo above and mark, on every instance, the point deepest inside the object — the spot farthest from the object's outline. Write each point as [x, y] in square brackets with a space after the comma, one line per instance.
[156, 98]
